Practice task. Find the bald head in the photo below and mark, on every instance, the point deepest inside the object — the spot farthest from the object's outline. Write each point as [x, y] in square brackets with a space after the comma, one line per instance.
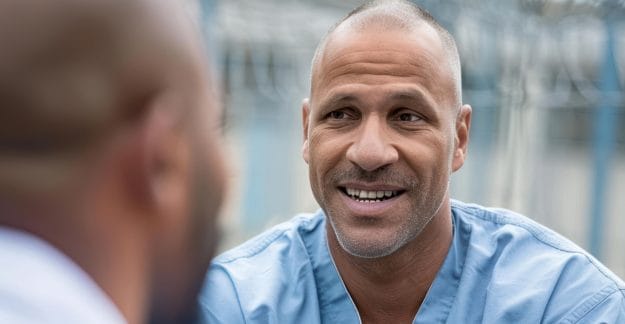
[74, 70]
[109, 149]
[393, 15]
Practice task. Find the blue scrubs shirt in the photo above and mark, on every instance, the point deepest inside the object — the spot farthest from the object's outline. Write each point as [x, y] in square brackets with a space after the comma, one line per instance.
[501, 268]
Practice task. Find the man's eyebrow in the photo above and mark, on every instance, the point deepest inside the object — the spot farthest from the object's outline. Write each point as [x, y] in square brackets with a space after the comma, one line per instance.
[412, 95]
[337, 99]
[404, 94]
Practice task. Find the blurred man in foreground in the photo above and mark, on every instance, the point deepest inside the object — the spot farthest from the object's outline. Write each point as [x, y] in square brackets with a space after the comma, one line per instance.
[110, 168]
[384, 129]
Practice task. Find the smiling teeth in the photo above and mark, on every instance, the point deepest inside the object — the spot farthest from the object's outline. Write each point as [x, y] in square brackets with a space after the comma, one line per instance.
[364, 194]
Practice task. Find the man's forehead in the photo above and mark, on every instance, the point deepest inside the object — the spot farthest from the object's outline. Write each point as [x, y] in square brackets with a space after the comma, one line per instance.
[353, 50]
[373, 37]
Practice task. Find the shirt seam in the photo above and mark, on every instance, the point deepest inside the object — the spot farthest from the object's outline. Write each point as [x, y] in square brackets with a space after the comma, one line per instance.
[462, 261]
[575, 318]
[323, 302]
[338, 273]
[262, 244]
[236, 293]
[532, 231]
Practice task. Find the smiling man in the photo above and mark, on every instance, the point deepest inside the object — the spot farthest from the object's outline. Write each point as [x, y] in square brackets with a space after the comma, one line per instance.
[384, 129]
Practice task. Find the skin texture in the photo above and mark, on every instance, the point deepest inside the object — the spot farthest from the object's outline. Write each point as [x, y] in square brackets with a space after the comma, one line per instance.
[110, 146]
[384, 115]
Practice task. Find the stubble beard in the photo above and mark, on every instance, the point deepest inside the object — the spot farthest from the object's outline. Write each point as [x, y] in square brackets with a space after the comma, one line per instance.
[418, 214]
[375, 248]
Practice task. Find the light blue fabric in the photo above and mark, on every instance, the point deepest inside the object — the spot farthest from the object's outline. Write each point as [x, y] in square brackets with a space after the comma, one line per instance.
[40, 284]
[501, 268]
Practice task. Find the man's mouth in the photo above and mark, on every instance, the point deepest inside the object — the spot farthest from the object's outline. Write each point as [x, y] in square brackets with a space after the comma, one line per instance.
[370, 196]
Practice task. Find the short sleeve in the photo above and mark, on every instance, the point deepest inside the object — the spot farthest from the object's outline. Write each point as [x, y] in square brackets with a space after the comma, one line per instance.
[219, 301]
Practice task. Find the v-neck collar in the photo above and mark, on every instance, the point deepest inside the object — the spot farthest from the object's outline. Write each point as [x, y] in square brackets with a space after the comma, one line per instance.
[337, 306]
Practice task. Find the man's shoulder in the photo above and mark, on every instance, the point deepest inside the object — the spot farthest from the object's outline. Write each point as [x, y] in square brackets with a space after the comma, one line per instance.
[35, 273]
[518, 257]
[508, 229]
[501, 221]
[243, 284]
[274, 241]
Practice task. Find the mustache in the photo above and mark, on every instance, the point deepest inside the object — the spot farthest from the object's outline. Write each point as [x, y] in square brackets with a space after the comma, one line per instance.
[385, 175]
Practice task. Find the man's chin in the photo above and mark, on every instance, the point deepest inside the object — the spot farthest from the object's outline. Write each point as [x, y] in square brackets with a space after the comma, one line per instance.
[370, 251]
[368, 244]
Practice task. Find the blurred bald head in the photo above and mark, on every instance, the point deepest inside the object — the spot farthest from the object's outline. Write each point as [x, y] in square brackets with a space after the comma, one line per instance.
[74, 70]
[109, 145]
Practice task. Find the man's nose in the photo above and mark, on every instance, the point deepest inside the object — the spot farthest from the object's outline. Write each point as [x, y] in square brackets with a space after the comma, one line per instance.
[372, 149]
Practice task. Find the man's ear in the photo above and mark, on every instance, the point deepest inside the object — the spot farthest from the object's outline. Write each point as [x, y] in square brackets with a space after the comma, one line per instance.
[461, 141]
[305, 122]
[157, 176]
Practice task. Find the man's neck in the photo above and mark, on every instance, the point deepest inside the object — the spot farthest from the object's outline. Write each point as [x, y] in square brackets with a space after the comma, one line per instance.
[392, 288]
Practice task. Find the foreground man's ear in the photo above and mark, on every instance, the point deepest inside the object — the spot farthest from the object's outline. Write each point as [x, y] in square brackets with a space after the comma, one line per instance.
[158, 163]
[305, 121]
[461, 142]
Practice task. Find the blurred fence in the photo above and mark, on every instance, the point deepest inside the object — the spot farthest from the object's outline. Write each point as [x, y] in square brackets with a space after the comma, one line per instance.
[546, 80]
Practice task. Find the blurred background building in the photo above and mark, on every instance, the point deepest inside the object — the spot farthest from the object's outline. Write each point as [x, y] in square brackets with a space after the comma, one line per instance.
[546, 79]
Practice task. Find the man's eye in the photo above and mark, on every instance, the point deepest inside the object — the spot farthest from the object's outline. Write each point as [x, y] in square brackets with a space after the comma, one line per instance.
[337, 115]
[409, 117]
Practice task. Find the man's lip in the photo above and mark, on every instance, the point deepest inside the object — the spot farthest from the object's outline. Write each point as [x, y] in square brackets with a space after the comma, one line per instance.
[370, 209]
[371, 186]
